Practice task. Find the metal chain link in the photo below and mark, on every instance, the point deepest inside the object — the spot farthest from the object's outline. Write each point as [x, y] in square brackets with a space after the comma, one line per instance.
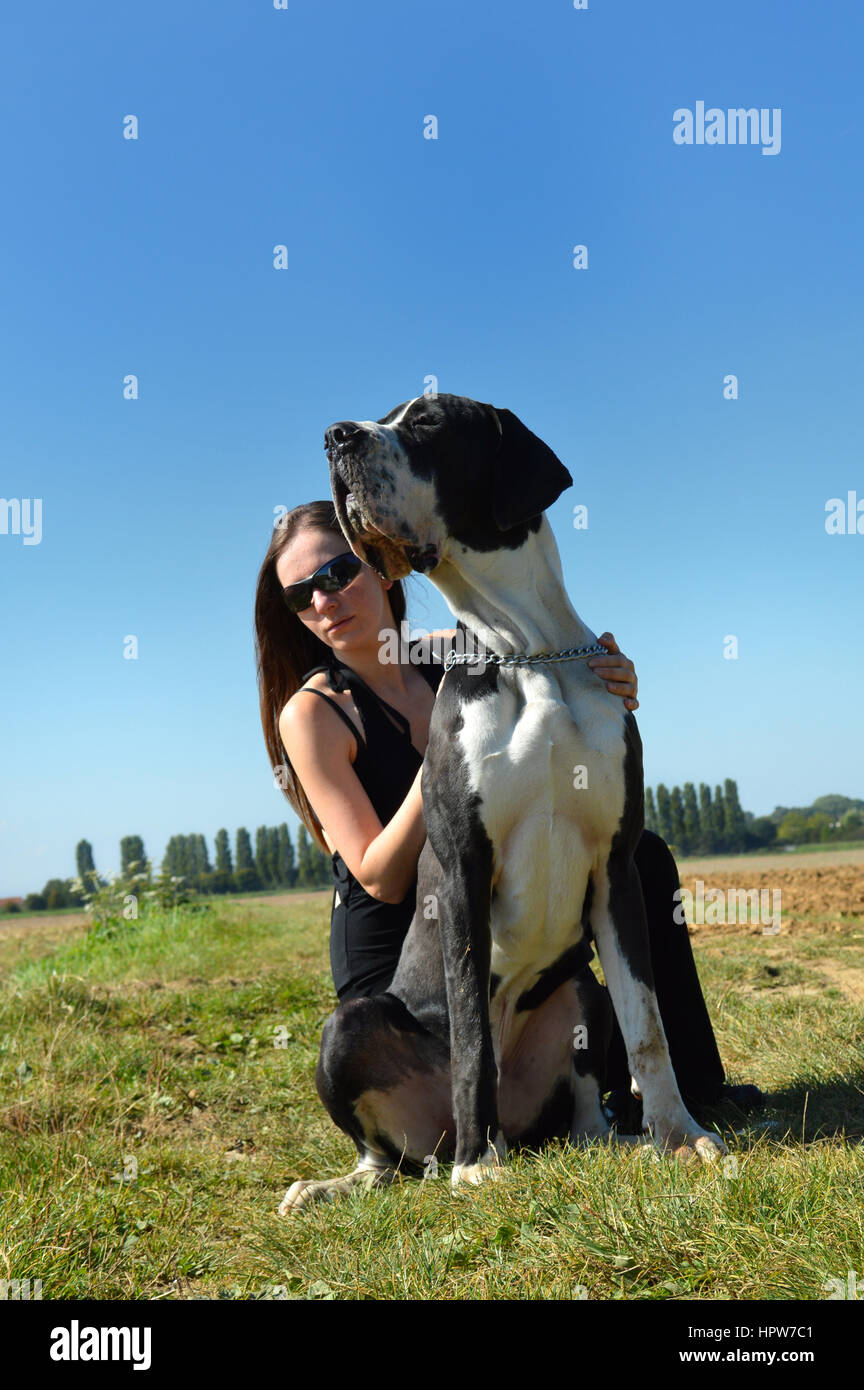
[569, 654]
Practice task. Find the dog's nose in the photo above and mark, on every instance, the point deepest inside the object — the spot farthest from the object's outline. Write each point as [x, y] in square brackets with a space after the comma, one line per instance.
[341, 433]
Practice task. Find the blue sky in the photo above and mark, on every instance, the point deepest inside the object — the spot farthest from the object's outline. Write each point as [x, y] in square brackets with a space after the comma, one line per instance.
[409, 257]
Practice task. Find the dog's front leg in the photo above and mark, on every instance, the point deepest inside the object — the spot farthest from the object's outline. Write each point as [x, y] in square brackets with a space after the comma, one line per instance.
[463, 909]
[465, 942]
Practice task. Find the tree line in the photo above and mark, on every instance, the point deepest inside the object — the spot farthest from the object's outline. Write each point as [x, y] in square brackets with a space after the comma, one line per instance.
[703, 823]
[715, 823]
[274, 864]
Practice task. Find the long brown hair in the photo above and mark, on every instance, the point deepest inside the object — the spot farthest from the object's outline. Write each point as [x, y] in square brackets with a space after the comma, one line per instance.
[285, 649]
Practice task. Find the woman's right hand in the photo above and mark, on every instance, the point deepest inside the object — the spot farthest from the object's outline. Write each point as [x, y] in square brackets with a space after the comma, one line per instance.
[449, 633]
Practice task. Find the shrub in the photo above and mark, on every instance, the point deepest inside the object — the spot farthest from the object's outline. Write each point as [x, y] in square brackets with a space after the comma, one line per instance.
[117, 904]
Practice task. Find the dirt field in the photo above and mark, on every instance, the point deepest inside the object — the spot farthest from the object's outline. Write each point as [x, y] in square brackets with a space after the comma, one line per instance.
[814, 897]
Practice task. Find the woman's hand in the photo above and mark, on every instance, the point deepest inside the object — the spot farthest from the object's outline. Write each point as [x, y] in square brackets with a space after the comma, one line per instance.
[617, 670]
[449, 633]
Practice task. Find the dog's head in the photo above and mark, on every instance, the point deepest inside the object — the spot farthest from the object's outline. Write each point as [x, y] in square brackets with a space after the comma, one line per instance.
[437, 470]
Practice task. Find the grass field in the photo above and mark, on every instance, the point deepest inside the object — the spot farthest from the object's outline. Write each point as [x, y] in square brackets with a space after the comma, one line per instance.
[157, 1097]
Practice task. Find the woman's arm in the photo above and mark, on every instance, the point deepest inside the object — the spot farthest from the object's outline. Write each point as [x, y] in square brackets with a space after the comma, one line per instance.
[382, 858]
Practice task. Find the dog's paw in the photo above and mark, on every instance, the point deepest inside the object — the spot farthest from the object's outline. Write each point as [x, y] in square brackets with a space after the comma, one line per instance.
[688, 1143]
[707, 1148]
[710, 1147]
[299, 1195]
[489, 1166]
[474, 1173]
[304, 1192]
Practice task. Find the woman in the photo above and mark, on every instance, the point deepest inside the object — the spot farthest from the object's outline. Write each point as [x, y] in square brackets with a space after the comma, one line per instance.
[355, 729]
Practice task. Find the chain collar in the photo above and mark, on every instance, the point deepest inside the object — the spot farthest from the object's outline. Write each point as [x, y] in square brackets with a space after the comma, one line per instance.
[455, 658]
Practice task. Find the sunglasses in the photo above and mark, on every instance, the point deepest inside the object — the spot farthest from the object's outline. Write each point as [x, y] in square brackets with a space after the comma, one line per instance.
[335, 575]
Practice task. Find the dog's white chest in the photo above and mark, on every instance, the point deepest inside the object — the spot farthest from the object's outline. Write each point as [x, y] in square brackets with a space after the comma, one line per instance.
[546, 757]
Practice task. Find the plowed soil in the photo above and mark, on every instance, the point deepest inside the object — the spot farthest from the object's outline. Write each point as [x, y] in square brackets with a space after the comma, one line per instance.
[813, 896]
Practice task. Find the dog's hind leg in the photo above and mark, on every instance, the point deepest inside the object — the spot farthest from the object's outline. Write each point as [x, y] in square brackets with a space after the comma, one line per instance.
[621, 935]
[590, 1044]
[385, 1082]
[620, 928]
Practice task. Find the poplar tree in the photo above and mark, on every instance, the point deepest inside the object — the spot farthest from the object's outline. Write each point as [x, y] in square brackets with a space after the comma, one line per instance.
[676, 816]
[734, 822]
[287, 870]
[262, 855]
[305, 861]
[664, 822]
[691, 818]
[171, 858]
[199, 855]
[223, 853]
[187, 855]
[246, 876]
[131, 852]
[84, 864]
[243, 853]
[706, 820]
[273, 855]
[719, 819]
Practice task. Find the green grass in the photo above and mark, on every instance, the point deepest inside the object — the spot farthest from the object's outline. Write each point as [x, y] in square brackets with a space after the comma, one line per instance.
[777, 850]
[815, 848]
[149, 1126]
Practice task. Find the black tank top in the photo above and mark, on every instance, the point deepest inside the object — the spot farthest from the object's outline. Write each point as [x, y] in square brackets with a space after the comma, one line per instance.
[366, 935]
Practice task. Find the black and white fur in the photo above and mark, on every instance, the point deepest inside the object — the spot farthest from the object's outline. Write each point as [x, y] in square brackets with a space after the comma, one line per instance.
[471, 1049]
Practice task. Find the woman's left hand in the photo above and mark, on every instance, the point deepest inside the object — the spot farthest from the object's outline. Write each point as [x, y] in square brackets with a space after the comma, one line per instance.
[617, 670]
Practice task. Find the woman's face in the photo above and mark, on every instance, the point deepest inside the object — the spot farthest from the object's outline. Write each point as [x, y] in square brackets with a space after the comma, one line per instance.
[360, 608]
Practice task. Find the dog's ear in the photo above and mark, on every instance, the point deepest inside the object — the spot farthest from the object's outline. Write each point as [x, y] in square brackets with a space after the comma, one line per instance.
[526, 476]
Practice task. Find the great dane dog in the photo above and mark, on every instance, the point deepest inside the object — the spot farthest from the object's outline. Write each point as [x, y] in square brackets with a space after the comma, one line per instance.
[494, 1030]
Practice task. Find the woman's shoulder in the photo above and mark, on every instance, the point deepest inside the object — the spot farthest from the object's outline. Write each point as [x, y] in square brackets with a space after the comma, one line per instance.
[311, 716]
[317, 681]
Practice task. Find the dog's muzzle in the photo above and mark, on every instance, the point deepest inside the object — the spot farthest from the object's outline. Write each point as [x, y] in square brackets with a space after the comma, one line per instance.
[393, 557]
